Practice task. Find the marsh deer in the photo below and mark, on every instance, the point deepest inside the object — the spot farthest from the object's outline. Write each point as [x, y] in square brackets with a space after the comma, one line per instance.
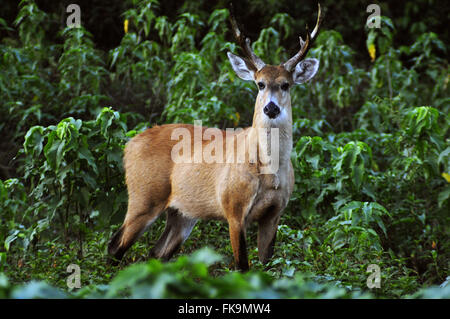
[235, 191]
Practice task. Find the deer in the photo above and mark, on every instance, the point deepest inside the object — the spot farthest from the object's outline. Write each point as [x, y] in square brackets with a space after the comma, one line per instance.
[236, 192]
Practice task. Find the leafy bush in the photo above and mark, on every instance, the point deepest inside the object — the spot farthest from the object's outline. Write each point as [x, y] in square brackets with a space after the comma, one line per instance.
[66, 176]
[188, 277]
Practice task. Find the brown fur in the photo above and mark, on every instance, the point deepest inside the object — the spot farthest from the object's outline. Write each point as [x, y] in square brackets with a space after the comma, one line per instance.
[274, 74]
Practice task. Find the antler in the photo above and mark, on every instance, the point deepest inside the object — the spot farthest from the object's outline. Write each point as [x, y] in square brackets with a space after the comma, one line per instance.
[253, 61]
[304, 45]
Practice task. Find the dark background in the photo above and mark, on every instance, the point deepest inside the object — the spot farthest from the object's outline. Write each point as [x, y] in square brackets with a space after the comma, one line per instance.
[411, 18]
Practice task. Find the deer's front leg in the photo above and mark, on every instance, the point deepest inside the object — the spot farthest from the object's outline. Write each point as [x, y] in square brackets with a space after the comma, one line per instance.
[237, 199]
[267, 232]
[238, 243]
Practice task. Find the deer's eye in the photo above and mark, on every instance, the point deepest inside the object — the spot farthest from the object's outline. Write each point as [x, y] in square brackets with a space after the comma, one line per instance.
[285, 86]
[261, 85]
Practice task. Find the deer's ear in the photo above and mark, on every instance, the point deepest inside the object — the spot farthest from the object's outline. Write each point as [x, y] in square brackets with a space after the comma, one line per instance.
[240, 67]
[305, 70]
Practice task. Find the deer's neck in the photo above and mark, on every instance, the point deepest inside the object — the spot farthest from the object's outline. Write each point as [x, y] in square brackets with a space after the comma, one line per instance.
[266, 132]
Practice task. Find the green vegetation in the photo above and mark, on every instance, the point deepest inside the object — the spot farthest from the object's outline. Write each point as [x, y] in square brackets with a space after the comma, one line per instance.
[371, 148]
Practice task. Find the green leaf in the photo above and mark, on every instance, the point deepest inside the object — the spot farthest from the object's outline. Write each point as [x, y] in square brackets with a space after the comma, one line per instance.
[443, 196]
[10, 239]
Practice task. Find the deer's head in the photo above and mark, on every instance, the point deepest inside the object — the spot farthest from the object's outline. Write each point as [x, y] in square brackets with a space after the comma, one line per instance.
[273, 102]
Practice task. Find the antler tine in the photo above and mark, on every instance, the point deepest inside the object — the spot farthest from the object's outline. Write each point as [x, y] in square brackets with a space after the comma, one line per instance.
[244, 42]
[318, 22]
[304, 45]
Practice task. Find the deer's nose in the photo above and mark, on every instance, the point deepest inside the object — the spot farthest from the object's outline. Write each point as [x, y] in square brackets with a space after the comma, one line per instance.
[271, 110]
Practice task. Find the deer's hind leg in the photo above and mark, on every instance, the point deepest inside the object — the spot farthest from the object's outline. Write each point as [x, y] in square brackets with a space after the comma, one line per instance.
[145, 203]
[148, 184]
[177, 230]
[137, 220]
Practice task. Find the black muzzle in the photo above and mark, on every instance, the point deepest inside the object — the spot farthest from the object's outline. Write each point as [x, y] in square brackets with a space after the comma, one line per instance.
[271, 110]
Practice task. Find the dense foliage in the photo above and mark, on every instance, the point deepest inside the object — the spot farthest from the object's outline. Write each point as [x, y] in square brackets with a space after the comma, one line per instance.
[371, 150]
